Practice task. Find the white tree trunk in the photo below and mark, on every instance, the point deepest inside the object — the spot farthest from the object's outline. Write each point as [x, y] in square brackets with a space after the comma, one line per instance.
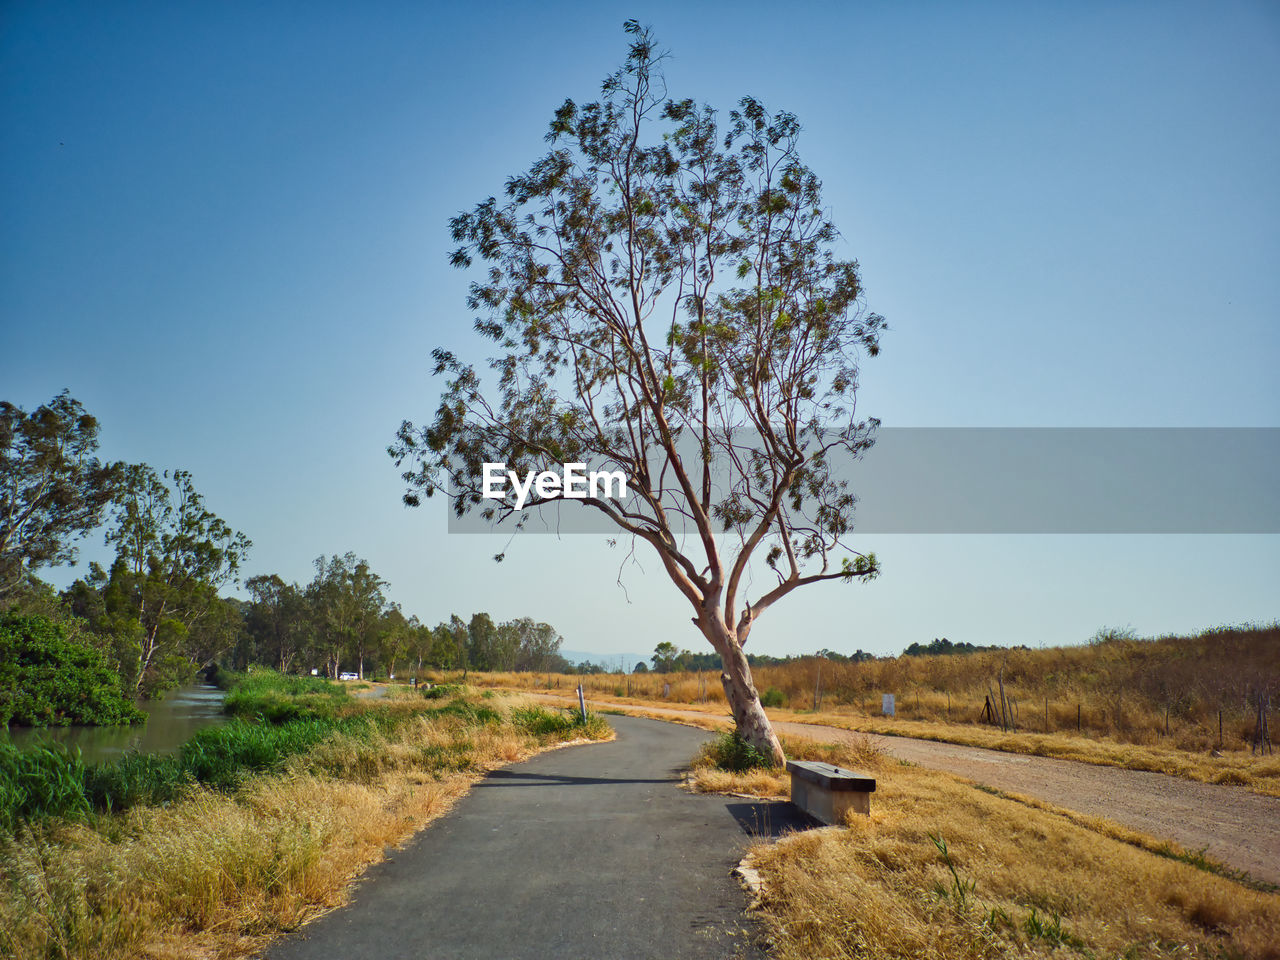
[749, 718]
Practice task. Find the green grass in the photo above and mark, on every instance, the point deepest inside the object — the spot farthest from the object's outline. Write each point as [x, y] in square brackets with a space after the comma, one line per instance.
[133, 779]
[221, 757]
[55, 782]
[542, 722]
[274, 717]
[279, 698]
[40, 782]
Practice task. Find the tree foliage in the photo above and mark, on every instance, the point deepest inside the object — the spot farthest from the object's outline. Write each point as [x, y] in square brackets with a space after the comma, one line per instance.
[668, 302]
[348, 599]
[52, 487]
[943, 647]
[49, 679]
[172, 556]
[278, 618]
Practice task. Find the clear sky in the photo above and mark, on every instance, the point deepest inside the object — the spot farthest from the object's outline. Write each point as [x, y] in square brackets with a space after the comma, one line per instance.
[224, 230]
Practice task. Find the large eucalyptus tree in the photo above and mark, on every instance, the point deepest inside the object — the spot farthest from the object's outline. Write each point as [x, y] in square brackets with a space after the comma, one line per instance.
[665, 298]
[53, 488]
[172, 556]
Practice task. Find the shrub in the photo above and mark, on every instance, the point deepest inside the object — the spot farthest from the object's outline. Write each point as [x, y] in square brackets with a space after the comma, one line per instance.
[48, 680]
[440, 691]
[468, 712]
[773, 697]
[732, 753]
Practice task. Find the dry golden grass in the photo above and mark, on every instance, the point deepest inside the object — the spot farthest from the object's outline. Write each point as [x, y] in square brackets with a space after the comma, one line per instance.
[1106, 703]
[1027, 881]
[1259, 773]
[1161, 692]
[218, 875]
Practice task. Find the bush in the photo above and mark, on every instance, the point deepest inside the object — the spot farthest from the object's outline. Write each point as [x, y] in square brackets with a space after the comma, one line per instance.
[732, 753]
[469, 712]
[773, 697]
[440, 691]
[48, 680]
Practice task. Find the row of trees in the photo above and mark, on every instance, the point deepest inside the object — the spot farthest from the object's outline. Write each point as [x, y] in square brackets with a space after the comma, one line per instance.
[342, 618]
[158, 609]
[668, 658]
[158, 613]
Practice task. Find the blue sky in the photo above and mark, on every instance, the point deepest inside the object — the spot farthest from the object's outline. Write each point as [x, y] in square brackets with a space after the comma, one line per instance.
[224, 230]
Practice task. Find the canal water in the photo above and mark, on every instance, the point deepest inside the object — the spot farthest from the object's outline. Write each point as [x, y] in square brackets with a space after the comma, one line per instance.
[170, 722]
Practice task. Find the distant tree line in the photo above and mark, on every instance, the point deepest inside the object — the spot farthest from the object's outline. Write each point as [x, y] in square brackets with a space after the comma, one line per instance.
[944, 646]
[158, 615]
[668, 659]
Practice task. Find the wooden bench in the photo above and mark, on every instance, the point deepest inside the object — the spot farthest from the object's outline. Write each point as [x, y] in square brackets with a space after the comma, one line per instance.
[828, 792]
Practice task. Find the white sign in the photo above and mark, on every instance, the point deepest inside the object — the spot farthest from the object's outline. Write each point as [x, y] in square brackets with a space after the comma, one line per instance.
[886, 705]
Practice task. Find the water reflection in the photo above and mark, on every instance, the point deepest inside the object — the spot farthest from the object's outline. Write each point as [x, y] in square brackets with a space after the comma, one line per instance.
[170, 722]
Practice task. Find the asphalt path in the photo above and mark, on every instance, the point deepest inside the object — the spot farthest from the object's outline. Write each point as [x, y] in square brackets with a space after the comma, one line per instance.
[586, 851]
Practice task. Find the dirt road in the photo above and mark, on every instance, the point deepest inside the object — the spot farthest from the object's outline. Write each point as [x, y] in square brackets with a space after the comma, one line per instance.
[1232, 825]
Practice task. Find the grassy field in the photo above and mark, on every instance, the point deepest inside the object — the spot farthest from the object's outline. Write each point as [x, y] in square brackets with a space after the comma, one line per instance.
[259, 825]
[252, 829]
[942, 870]
[1121, 701]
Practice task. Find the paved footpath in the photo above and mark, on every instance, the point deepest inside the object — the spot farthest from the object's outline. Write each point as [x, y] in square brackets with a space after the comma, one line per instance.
[585, 851]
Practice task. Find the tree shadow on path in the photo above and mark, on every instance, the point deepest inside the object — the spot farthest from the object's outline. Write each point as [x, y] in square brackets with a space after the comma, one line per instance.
[512, 778]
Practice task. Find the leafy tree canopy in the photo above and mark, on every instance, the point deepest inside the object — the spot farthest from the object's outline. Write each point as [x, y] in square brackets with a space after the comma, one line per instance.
[664, 296]
[52, 487]
[47, 679]
[172, 556]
